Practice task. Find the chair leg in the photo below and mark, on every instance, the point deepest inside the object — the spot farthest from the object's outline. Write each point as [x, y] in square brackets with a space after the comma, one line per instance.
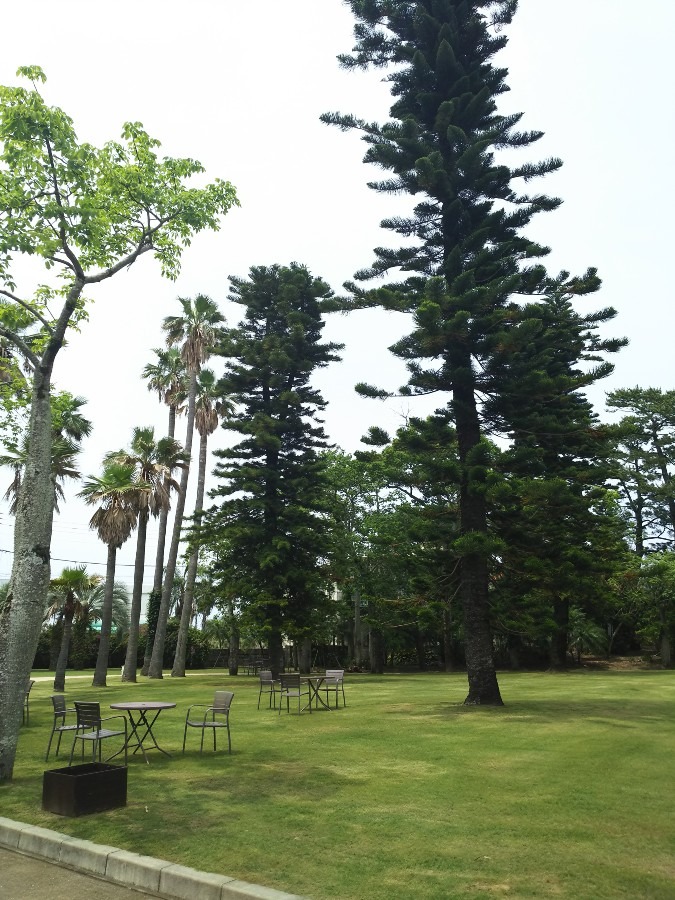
[184, 736]
[51, 737]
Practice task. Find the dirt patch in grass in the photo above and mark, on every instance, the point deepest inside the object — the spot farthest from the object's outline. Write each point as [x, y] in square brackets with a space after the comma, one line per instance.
[620, 664]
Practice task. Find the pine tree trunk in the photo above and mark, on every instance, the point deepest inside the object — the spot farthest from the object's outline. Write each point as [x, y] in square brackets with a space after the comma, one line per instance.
[22, 613]
[358, 628]
[305, 656]
[157, 660]
[178, 670]
[420, 650]
[483, 686]
[131, 659]
[448, 661]
[664, 641]
[558, 653]
[62, 661]
[233, 658]
[276, 646]
[376, 651]
[101, 671]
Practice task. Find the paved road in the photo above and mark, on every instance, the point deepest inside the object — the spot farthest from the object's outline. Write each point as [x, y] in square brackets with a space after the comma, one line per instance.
[25, 878]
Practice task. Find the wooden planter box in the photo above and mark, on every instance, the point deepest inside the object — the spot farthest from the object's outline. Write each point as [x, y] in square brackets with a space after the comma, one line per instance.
[88, 788]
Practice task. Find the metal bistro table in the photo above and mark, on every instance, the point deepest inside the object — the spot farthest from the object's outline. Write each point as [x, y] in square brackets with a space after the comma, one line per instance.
[139, 713]
[315, 682]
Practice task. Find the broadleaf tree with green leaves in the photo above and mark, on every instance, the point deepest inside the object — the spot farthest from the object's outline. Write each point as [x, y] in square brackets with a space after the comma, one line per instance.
[85, 213]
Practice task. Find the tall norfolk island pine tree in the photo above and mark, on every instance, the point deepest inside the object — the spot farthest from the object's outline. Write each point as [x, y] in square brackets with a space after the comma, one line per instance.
[268, 532]
[470, 264]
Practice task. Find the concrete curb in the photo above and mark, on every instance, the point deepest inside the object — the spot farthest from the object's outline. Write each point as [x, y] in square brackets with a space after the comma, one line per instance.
[130, 869]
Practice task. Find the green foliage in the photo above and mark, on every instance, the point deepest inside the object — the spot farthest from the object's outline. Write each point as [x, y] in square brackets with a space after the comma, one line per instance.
[268, 531]
[197, 646]
[85, 211]
[467, 266]
[644, 455]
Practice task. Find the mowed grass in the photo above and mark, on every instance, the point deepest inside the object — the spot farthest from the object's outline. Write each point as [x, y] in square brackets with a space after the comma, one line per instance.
[566, 792]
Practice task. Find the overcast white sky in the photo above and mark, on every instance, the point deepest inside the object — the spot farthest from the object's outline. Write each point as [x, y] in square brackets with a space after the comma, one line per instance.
[240, 86]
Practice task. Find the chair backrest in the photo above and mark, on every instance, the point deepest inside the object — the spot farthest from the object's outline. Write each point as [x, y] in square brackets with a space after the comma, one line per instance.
[289, 681]
[337, 674]
[222, 701]
[265, 676]
[88, 714]
[30, 685]
[59, 704]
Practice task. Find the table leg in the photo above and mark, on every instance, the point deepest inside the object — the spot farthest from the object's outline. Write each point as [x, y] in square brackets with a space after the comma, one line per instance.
[314, 688]
[139, 744]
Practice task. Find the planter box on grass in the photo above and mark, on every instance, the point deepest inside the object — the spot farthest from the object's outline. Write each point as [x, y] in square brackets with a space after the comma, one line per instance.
[88, 788]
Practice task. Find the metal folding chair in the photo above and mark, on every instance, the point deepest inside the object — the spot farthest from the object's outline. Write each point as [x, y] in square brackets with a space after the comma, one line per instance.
[294, 687]
[221, 709]
[59, 725]
[90, 728]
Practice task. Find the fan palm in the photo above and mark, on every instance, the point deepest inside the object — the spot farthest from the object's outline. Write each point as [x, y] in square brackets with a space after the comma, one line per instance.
[168, 378]
[153, 463]
[67, 419]
[69, 428]
[64, 599]
[64, 453]
[209, 407]
[117, 493]
[196, 332]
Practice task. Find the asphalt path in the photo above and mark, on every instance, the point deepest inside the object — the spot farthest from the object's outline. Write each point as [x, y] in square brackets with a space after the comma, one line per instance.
[26, 878]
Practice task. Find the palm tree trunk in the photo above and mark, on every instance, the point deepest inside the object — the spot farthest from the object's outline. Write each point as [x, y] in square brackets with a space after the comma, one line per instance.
[159, 561]
[178, 670]
[55, 641]
[62, 661]
[101, 670]
[155, 669]
[131, 659]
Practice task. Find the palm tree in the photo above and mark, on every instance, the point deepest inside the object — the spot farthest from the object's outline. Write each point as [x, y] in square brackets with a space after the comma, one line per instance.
[116, 490]
[67, 418]
[197, 332]
[209, 407]
[64, 599]
[64, 453]
[169, 379]
[69, 428]
[153, 463]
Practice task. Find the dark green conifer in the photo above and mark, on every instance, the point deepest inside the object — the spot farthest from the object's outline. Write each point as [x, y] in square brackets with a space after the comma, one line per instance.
[465, 262]
[271, 494]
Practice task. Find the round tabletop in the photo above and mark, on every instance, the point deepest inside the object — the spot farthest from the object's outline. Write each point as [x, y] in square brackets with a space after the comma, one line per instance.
[148, 704]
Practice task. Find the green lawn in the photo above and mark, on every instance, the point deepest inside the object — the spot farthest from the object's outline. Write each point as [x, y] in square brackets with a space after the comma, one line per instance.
[566, 792]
